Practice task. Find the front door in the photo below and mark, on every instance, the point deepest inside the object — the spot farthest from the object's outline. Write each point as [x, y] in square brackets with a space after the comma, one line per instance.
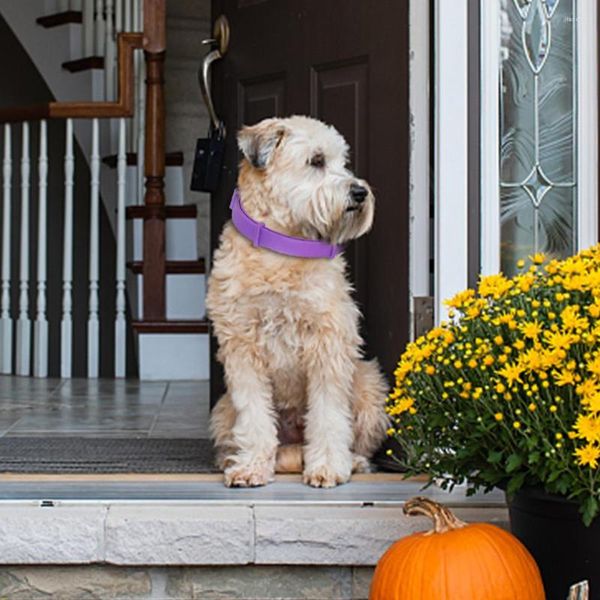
[344, 62]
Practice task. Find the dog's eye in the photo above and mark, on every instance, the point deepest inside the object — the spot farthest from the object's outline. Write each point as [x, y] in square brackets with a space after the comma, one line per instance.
[318, 160]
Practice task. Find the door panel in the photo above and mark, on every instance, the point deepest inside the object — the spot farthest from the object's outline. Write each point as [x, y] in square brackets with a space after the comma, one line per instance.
[345, 62]
[260, 99]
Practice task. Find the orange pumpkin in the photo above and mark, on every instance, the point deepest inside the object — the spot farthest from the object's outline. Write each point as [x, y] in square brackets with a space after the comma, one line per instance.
[455, 561]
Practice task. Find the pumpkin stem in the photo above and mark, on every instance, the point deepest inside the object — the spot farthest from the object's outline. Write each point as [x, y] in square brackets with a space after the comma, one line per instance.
[443, 518]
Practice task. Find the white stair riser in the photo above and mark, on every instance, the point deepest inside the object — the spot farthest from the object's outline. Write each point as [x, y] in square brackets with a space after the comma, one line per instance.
[181, 239]
[173, 356]
[174, 186]
[185, 296]
[73, 32]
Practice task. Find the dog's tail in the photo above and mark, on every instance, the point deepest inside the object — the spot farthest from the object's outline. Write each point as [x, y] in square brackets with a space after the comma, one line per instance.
[289, 459]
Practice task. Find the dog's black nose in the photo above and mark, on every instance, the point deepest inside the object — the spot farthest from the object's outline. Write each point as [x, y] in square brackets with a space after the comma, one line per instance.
[358, 192]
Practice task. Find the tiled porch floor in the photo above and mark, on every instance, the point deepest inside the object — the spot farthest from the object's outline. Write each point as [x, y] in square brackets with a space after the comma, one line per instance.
[103, 408]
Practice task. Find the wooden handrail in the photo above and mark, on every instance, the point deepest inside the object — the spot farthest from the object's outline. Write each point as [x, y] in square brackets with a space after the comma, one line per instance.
[123, 107]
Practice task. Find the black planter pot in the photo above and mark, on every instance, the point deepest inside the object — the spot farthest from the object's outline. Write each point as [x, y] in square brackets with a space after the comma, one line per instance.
[565, 550]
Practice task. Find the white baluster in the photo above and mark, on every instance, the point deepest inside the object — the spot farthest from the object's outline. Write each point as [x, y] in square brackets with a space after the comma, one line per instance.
[40, 331]
[66, 327]
[119, 16]
[88, 28]
[110, 53]
[93, 322]
[137, 15]
[6, 329]
[120, 321]
[99, 26]
[23, 322]
[128, 17]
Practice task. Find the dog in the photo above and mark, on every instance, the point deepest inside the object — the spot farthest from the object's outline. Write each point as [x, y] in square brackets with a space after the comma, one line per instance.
[300, 397]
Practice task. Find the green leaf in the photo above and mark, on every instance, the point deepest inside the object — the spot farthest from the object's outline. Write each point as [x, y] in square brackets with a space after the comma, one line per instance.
[495, 456]
[589, 510]
[554, 476]
[534, 457]
[513, 463]
[515, 483]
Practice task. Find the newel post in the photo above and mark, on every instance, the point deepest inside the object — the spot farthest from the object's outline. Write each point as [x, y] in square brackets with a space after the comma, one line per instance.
[154, 269]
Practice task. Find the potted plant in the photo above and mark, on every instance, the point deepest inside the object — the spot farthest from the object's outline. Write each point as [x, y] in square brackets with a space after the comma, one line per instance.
[507, 393]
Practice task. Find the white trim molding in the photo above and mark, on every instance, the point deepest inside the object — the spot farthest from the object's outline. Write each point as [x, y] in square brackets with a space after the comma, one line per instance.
[490, 137]
[587, 126]
[419, 223]
[451, 150]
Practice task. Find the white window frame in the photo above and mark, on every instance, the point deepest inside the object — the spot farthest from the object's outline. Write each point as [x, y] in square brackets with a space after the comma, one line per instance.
[587, 128]
[451, 151]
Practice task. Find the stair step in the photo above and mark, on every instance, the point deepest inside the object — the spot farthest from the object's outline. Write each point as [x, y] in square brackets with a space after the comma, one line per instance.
[186, 267]
[84, 64]
[61, 18]
[184, 211]
[172, 159]
[188, 326]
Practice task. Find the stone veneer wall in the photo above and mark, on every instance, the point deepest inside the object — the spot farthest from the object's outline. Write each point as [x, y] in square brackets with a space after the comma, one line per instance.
[188, 23]
[91, 582]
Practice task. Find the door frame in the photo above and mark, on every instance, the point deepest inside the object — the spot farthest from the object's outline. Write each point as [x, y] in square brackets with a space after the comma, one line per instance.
[420, 158]
[451, 152]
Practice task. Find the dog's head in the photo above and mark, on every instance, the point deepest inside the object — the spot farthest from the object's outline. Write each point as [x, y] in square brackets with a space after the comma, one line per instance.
[301, 163]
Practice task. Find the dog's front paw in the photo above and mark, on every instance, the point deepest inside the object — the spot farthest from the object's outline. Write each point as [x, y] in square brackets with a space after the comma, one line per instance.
[324, 476]
[247, 475]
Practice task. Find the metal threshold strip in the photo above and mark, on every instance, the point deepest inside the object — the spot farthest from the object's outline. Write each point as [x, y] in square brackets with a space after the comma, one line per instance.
[374, 489]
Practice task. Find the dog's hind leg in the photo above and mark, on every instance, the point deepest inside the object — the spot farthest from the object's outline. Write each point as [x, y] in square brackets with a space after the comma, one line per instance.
[222, 420]
[290, 460]
[368, 409]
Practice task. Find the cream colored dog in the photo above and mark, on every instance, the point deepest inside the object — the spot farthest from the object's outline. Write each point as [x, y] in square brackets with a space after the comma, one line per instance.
[299, 396]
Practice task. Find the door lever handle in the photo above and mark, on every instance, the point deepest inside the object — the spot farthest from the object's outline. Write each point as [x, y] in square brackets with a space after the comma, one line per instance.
[221, 39]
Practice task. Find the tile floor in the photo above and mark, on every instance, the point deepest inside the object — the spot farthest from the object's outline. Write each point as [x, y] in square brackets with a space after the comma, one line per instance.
[103, 408]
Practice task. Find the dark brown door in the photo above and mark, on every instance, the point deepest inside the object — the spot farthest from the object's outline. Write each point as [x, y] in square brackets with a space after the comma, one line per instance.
[346, 63]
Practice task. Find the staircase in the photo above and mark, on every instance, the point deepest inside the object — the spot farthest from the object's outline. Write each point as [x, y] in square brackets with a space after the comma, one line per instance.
[155, 231]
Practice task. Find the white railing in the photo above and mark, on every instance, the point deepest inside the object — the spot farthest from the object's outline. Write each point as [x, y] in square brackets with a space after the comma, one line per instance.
[102, 21]
[28, 329]
[37, 343]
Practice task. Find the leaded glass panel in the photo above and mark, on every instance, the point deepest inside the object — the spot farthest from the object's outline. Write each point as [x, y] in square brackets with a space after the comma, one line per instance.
[537, 129]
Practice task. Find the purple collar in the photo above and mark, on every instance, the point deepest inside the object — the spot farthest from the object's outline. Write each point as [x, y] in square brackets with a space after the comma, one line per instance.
[263, 237]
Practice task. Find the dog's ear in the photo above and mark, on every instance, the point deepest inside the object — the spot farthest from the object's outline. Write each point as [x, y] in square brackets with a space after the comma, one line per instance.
[258, 142]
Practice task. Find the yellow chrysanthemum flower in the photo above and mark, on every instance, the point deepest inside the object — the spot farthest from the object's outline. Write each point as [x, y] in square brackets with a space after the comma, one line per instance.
[494, 285]
[587, 427]
[587, 456]
[531, 329]
[537, 259]
[512, 373]
[461, 299]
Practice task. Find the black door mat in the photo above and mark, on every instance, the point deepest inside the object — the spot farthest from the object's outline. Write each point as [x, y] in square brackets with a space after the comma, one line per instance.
[105, 455]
